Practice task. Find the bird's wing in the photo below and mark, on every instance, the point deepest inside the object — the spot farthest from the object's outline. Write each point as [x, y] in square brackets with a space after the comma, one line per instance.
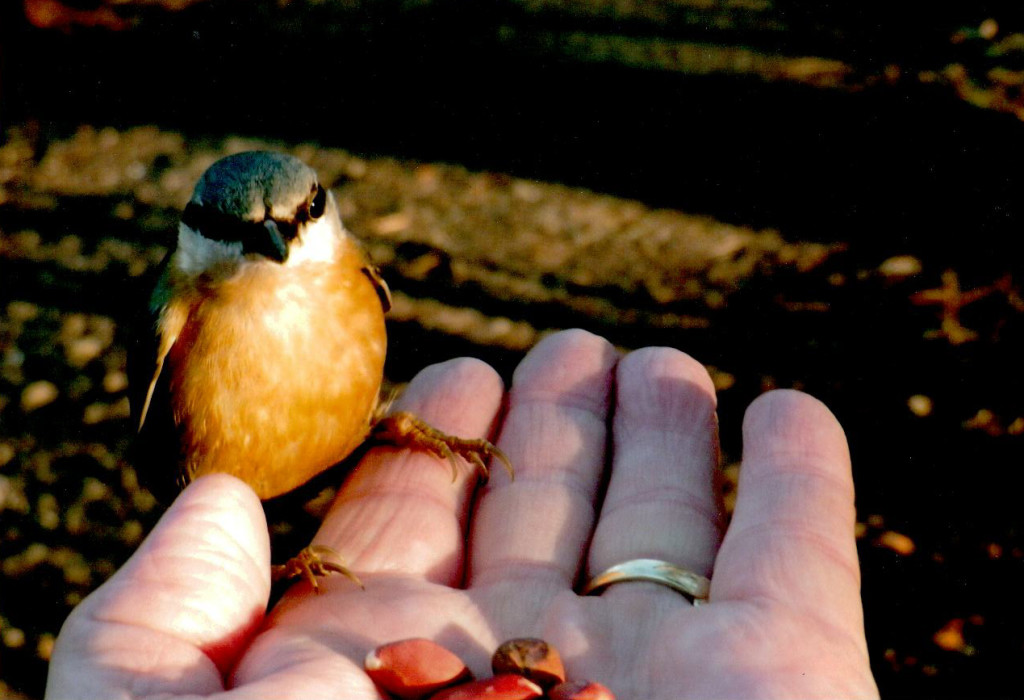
[168, 326]
[157, 331]
[383, 291]
[156, 450]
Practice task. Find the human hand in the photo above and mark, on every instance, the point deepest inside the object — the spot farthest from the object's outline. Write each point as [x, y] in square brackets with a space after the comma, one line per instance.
[185, 615]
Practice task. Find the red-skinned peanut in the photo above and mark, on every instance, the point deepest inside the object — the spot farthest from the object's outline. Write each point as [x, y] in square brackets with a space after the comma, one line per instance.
[506, 686]
[414, 668]
[580, 690]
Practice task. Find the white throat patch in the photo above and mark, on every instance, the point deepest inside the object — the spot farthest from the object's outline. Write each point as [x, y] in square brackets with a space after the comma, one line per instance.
[318, 242]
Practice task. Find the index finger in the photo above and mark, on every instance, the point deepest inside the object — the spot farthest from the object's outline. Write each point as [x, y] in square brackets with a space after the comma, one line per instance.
[791, 540]
[399, 511]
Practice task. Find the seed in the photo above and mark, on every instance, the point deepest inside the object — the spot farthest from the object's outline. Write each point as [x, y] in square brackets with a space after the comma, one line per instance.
[530, 657]
[580, 690]
[506, 686]
[414, 668]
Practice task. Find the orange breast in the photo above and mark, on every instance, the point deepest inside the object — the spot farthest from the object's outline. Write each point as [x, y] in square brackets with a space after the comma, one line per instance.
[277, 372]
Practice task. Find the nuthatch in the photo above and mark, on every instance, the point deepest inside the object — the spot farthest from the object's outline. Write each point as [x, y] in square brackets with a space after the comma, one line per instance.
[266, 352]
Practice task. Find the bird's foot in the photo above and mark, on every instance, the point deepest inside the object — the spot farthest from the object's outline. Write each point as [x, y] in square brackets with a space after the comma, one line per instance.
[314, 561]
[403, 429]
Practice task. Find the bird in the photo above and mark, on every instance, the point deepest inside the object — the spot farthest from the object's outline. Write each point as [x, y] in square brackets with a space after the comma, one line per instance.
[262, 349]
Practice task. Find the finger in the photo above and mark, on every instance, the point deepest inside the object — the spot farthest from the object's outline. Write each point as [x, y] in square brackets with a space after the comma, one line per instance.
[399, 512]
[534, 529]
[791, 539]
[662, 502]
[173, 619]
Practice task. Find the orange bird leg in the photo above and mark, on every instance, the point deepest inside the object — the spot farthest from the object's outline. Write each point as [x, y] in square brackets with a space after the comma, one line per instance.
[403, 429]
[313, 561]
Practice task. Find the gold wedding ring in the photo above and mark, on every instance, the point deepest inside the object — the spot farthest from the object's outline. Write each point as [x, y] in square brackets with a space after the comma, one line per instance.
[694, 586]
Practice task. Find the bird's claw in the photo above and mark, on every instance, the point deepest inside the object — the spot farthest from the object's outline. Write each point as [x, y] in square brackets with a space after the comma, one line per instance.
[404, 429]
[314, 561]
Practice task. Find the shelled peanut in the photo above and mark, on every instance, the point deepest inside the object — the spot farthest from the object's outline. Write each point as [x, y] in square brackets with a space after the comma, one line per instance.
[530, 657]
[505, 686]
[524, 669]
[414, 668]
[580, 690]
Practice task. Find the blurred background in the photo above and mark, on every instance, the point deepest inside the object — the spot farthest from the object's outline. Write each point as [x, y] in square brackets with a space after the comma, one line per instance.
[799, 194]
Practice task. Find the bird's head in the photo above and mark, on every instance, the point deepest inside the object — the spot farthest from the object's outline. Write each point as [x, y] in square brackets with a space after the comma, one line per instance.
[262, 206]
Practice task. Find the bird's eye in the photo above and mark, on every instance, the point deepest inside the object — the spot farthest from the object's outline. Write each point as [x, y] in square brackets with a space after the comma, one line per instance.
[318, 203]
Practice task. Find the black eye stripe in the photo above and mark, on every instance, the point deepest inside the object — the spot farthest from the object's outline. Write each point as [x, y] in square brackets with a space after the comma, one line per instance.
[218, 226]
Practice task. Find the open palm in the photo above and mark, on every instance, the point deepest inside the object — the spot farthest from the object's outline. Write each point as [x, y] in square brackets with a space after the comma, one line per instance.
[615, 458]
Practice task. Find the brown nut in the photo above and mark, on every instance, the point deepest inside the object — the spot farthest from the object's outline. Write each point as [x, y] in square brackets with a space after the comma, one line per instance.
[414, 668]
[507, 686]
[530, 657]
[580, 690]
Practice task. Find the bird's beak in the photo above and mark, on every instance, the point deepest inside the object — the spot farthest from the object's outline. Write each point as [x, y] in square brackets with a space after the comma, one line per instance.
[272, 244]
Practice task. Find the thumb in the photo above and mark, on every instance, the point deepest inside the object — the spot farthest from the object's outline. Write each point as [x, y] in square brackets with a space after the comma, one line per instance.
[175, 617]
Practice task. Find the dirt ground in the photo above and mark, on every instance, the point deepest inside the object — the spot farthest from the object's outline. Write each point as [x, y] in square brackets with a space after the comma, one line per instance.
[852, 243]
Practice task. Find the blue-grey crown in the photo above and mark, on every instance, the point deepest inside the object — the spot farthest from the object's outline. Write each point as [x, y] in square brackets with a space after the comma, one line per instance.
[258, 198]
